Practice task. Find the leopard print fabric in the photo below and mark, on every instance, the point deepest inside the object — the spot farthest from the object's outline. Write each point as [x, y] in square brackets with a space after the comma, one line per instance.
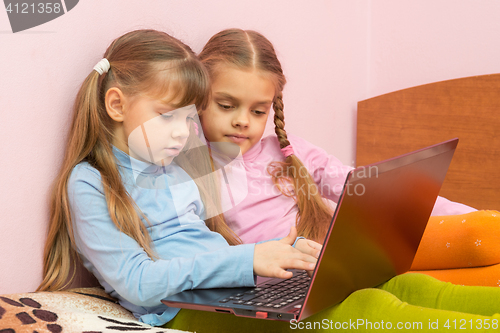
[83, 310]
[28, 314]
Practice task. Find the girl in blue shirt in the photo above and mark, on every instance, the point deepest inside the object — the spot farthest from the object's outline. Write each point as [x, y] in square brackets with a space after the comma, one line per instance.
[125, 202]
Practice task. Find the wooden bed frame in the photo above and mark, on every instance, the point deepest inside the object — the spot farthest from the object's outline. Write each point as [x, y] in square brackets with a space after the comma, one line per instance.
[409, 119]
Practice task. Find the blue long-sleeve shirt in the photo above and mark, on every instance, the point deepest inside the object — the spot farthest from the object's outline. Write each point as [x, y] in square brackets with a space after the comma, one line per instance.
[191, 256]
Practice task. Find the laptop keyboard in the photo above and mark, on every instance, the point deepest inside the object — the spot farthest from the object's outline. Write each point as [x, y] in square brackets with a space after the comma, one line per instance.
[274, 295]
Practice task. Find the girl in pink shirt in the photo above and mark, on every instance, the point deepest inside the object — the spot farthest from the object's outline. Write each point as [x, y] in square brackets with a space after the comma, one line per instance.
[288, 180]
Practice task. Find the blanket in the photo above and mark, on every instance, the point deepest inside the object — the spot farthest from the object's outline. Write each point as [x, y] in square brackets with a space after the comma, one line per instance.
[82, 310]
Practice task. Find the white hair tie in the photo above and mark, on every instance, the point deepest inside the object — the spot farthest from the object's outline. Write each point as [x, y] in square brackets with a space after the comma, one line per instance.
[102, 66]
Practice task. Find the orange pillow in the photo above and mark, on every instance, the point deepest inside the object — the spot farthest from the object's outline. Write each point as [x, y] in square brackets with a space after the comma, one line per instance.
[460, 241]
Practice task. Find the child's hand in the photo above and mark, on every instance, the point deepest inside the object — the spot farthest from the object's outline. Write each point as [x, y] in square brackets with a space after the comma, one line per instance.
[272, 258]
[309, 247]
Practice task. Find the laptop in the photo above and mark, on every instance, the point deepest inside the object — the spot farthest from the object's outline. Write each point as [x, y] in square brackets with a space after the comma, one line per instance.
[373, 236]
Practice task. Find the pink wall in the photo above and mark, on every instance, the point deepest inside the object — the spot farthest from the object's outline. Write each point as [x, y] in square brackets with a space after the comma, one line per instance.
[334, 54]
[322, 47]
[419, 42]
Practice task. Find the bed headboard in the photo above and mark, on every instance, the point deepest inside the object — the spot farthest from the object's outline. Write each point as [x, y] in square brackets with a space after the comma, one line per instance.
[413, 118]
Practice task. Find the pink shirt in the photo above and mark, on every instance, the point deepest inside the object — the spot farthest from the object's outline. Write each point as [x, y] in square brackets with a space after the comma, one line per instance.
[265, 213]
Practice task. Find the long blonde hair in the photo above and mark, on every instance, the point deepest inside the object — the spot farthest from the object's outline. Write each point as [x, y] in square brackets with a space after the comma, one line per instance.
[250, 50]
[141, 61]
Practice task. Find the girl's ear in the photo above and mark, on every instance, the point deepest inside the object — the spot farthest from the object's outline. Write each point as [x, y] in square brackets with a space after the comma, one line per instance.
[115, 102]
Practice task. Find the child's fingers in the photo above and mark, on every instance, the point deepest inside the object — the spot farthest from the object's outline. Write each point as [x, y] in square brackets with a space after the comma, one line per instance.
[280, 269]
[273, 258]
[308, 264]
[282, 274]
[295, 264]
[316, 248]
[299, 261]
[291, 237]
[308, 247]
[307, 258]
[314, 245]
